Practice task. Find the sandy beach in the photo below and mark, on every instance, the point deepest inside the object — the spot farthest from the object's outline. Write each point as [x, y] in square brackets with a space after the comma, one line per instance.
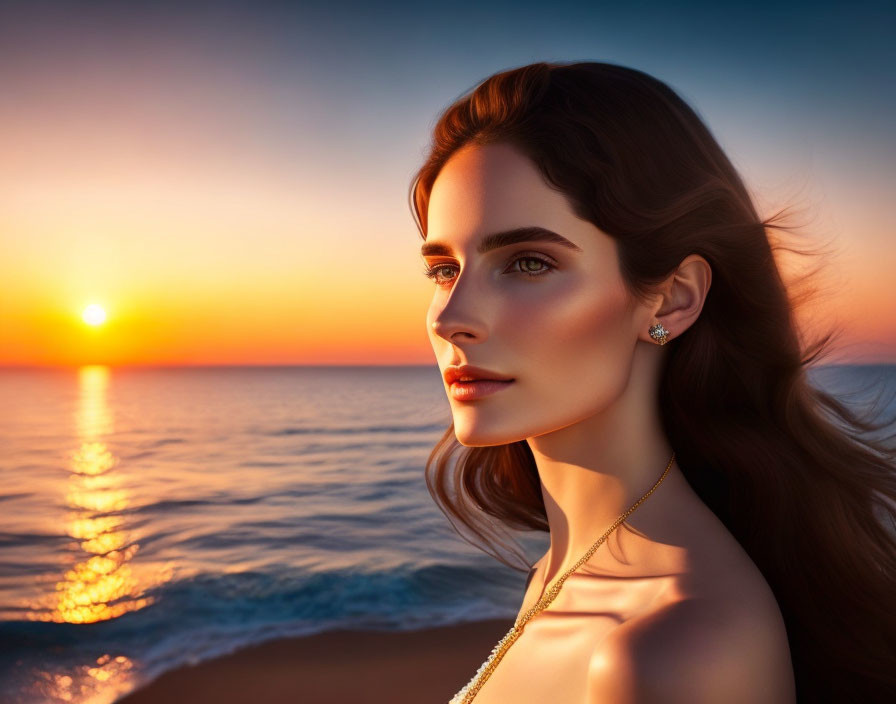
[338, 667]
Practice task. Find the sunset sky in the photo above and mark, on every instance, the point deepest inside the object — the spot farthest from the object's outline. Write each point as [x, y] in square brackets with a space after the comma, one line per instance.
[228, 181]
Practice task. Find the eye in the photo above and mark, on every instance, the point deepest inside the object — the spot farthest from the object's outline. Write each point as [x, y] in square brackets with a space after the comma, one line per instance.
[432, 272]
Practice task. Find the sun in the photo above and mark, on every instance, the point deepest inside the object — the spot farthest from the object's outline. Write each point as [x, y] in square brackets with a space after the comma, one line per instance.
[94, 315]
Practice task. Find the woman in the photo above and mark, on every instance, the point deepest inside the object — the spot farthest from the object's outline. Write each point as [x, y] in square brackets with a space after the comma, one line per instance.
[715, 535]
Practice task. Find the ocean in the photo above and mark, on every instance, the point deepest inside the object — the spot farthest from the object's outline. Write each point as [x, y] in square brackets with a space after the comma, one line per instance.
[152, 517]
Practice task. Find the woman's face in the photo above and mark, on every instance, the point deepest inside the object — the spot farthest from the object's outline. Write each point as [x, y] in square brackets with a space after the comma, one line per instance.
[555, 318]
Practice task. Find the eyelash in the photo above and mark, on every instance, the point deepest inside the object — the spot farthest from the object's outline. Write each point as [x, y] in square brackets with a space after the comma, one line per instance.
[430, 271]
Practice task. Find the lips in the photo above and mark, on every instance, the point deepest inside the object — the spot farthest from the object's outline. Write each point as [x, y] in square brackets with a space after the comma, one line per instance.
[468, 371]
[471, 390]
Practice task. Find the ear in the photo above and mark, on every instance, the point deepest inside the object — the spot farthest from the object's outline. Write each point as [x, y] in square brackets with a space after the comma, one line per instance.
[680, 298]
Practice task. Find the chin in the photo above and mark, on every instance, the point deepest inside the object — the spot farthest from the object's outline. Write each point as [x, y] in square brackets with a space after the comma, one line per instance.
[479, 434]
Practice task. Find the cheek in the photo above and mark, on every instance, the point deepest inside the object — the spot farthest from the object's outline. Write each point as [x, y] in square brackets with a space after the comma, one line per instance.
[578, 341]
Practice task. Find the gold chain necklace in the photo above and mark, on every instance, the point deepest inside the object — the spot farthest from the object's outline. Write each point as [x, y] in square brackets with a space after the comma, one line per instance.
[469, 691]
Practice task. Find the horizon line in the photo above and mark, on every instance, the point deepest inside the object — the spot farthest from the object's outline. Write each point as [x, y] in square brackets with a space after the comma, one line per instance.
[294, 365]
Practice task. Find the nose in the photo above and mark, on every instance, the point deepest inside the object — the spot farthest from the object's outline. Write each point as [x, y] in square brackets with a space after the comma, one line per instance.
[452, 331]
[463, 315]
[460, 321]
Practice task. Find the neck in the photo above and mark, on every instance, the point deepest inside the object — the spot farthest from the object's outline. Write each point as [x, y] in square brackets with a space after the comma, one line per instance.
[593, 471]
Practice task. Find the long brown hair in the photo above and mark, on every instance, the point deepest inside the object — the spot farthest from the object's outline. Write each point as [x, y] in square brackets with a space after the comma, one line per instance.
[795, 474]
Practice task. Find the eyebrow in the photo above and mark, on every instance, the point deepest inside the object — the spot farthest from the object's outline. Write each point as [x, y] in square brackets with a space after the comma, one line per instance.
[495, 240]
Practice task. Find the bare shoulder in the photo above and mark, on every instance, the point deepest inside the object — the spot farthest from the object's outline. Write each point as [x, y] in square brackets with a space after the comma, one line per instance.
[697, 650]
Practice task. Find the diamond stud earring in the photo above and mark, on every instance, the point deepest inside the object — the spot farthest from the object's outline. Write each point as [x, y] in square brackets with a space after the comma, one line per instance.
[659, 333]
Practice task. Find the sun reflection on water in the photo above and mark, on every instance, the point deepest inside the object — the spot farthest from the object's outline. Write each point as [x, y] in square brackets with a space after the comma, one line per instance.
[100, 584]
[101, 682]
